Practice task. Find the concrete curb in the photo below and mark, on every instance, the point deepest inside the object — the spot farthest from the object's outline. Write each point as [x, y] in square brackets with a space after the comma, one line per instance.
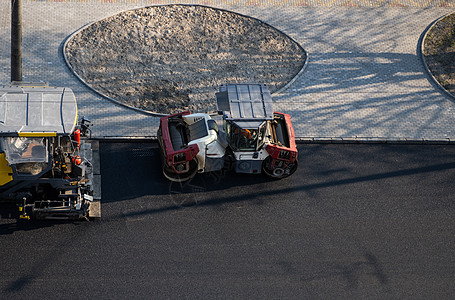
[314, 140]
[421, 41]
[155, 114]
[373, 140]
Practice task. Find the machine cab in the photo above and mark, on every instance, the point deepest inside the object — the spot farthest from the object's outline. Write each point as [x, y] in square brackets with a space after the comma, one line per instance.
[246, 110]
[27, 155]
[259, 137]
[246, 136]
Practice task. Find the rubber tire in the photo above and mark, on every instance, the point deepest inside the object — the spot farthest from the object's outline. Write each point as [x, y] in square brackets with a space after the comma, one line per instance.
[270, 174]
[172, 176]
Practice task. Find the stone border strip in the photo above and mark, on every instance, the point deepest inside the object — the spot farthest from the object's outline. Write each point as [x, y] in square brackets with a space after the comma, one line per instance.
[374, 140]
[422, 38]
[318, 140]
[285, 87]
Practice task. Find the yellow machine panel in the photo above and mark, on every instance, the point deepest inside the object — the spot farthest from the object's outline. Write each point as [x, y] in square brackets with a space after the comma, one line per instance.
[6, 173]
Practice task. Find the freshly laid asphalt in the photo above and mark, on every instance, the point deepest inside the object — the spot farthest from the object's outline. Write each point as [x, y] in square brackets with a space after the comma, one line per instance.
[353, 222]
[364, 81]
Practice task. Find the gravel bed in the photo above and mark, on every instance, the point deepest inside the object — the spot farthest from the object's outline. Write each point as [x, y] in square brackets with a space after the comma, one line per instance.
[170, 58]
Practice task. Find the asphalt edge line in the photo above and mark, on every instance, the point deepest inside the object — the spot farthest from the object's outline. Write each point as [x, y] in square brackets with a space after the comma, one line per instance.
[420, 43]
[310, 140]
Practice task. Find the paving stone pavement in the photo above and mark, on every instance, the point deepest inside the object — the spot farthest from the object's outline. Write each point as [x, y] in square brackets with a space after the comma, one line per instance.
[364, 80]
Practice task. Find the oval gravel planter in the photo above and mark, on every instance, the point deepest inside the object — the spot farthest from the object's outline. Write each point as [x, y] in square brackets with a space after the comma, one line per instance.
[420, 46]
[154, 72]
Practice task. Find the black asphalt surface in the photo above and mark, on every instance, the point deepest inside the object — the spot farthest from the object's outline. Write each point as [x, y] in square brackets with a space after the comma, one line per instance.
[354, 222]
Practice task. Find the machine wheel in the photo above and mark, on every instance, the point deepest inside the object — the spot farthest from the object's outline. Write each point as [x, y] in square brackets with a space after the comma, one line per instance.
[278, 173]
[172, 176]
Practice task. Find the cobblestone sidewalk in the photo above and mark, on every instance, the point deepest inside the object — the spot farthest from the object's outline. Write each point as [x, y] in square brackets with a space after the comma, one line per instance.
[364, 79]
